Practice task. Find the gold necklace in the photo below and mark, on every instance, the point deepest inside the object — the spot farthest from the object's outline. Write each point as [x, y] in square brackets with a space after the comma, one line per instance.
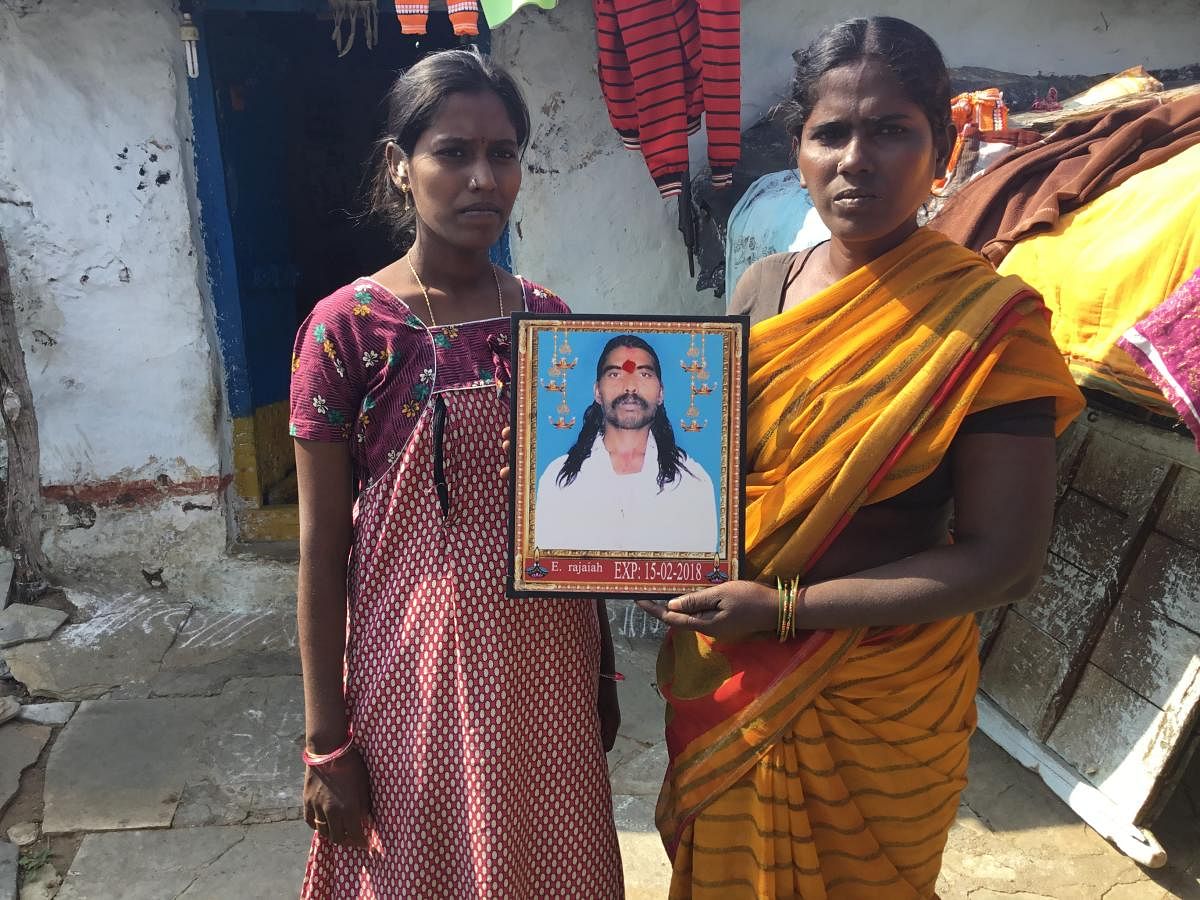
[425, 293]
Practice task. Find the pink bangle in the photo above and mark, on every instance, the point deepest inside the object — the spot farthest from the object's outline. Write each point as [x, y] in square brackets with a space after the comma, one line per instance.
[615, 676]
[320, 759]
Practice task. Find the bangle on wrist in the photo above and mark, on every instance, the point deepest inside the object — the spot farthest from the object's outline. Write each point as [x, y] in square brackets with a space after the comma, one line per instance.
[321, 759]
[790, 593]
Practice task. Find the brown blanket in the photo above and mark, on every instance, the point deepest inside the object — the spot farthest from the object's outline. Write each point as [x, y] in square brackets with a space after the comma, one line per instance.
[1033, 187]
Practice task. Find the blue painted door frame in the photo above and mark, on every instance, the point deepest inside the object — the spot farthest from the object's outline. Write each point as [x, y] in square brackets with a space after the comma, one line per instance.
[213, 192]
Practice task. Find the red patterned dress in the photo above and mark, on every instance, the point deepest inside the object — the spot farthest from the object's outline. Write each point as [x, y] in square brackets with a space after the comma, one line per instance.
[475, 714]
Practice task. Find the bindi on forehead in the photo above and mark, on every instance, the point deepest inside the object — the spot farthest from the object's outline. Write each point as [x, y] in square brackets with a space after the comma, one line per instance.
[629, 366]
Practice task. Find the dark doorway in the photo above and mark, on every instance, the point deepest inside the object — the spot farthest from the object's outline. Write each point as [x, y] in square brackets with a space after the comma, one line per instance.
[296, 126]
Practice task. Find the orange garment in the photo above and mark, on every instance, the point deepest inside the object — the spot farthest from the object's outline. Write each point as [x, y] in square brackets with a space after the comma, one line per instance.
[981, 110]
[830, 766]
[414, 16]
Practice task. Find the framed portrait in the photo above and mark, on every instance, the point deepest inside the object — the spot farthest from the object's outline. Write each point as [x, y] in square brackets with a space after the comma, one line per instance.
[628, 435]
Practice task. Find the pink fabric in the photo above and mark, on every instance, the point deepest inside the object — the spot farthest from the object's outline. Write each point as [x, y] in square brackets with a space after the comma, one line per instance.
[1167, 345]
[475, 714]
[364, 362]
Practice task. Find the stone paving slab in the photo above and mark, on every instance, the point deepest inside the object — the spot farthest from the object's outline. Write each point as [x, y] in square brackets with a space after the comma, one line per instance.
[8, 870]
[22, 622]
[1139, 890]
[1013, 835]
[641, 706]
[123, 642]
[233, 758]
[1034, 823]
[54, 714]
[214, 635]
[634, 813]
[215, 863]
[20, 747]
[122, 764]
[623, 749]
[642, 773]
[249, 754]
[647, 870]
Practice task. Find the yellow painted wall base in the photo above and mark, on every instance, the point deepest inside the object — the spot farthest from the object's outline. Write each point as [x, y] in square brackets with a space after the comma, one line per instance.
[269, 523]
[273, 444]
[261, 458]
[245, 461]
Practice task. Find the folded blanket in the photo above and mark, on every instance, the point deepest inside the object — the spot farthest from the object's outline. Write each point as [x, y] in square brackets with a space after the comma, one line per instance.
[1106, 266]
[1033, 188]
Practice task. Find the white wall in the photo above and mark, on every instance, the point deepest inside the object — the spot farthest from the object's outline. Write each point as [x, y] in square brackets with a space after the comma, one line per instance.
[112, 309]
[105, 256]
[1067, 37]
[590, 222]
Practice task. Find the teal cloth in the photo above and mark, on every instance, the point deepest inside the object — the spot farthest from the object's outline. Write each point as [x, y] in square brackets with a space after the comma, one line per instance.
[496, 12]
[774, 215]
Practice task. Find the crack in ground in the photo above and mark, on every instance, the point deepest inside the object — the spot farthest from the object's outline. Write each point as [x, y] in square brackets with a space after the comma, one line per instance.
[208, 865]
[175, 637]
[980, 816]
[1008, 787]
[1113, 887]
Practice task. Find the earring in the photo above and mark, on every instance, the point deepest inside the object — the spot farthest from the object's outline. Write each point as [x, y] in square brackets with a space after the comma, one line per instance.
[407, 203]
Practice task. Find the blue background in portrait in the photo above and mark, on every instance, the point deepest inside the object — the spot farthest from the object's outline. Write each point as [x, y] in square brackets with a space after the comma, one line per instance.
[702, 446]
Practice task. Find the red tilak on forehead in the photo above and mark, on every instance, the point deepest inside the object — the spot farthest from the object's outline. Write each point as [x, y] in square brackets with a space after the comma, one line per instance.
[629, 365]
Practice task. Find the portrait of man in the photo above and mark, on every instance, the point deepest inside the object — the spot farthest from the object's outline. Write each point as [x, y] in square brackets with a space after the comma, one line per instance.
[626, 484]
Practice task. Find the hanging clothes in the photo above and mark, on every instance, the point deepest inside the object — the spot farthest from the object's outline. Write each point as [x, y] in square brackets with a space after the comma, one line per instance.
[414, 16]
[346, 16]
[981, 110]
[497, 12]
[662, 65]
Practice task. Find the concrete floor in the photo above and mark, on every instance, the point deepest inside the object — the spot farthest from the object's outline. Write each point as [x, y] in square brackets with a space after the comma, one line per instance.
[176, 774]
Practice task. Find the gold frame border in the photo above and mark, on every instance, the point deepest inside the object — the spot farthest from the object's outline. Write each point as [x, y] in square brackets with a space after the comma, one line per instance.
[524, 472]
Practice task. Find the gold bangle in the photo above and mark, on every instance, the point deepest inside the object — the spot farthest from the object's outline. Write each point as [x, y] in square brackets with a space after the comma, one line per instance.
[797, 598]
[785, 610]
[791, 622]
[779, 611]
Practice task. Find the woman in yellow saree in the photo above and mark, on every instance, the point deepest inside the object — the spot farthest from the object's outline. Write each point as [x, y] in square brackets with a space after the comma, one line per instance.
[895, 379]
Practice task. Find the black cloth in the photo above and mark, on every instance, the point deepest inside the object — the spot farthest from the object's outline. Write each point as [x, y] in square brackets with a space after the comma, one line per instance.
[1027, 418]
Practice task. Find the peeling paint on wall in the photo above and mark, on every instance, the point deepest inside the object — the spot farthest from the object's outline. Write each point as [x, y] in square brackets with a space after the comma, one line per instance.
[111, 315]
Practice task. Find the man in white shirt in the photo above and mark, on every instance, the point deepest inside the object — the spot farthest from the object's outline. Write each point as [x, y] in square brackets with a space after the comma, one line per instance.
[626, 484]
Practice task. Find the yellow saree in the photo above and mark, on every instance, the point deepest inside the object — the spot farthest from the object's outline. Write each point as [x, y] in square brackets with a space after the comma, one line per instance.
[830, 766]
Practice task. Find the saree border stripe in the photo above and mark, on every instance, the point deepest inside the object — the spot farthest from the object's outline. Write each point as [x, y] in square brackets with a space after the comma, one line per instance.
[842, 764]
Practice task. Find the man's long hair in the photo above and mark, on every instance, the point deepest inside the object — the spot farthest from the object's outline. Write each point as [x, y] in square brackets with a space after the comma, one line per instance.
[671, 457]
